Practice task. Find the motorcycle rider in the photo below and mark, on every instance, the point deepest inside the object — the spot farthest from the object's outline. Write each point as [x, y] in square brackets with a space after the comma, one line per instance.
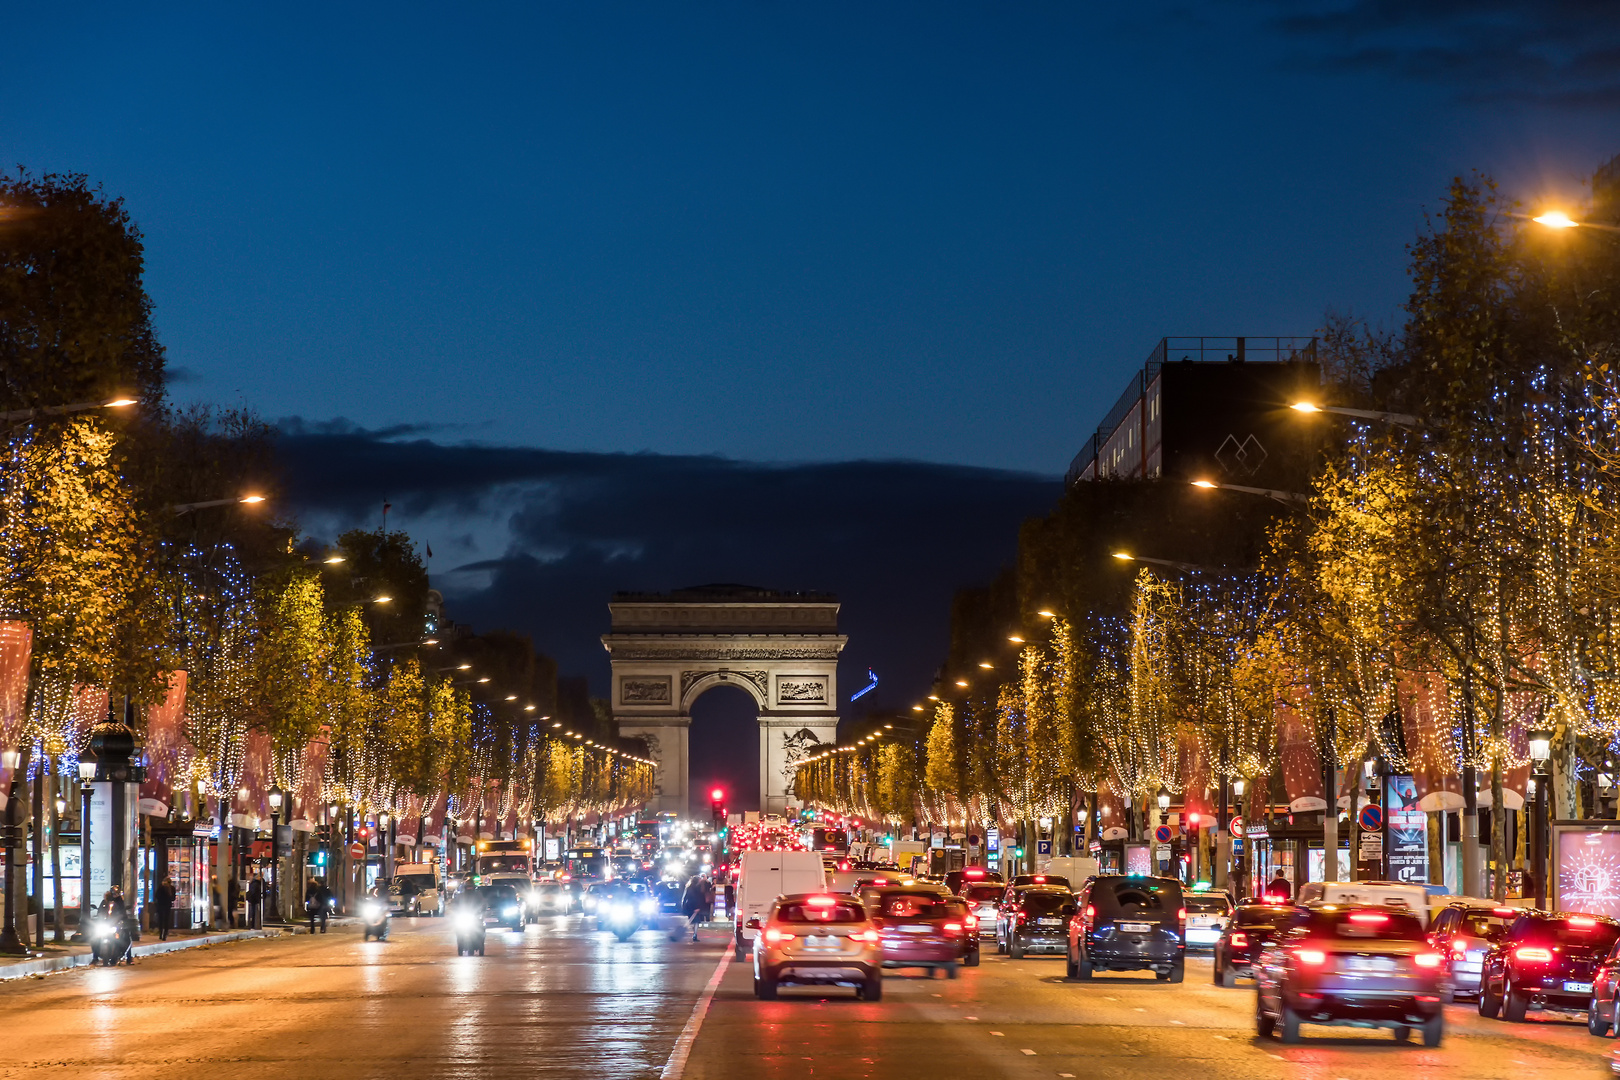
[113, 909]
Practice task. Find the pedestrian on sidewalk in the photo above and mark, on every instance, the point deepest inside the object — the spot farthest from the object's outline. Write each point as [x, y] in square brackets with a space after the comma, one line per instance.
[163, 907]
[317, 903]
[707, 911]
[692, 902]
[233, 896]
[255, 902]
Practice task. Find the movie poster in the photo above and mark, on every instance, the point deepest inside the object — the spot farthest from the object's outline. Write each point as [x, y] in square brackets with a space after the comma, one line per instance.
[1407, 852]
[1589, 872]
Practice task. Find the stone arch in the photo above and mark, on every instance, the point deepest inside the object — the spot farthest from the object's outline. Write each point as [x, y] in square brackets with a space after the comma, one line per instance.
[667, 649]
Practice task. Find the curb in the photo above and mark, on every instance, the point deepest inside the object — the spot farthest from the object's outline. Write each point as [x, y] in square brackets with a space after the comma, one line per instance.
[47, 964]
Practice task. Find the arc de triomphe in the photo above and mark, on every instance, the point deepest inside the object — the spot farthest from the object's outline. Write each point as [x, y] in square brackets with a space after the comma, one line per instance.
[668, 649]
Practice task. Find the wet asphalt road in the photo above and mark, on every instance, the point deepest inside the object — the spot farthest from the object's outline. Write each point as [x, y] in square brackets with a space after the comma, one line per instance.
[565, 1001]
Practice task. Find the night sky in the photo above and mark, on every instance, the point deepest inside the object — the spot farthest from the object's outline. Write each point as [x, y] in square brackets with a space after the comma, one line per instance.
[620, 247]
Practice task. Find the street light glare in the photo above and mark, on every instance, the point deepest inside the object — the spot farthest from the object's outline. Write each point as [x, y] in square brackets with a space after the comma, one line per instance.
[1043, 613]
[1127, 556]
[252, 499]
[1304, 406]
[382, 600]
[1555, 219]
[1203, 483]
[119, 403]
[1015, 639]
[961, 682]
[333, 560]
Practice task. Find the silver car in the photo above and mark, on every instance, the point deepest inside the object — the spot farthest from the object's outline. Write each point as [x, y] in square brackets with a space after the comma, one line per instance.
[1463, 933]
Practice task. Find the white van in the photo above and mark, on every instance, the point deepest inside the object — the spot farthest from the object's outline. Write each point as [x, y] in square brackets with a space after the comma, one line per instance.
[762, 876]
[416, 889]
[1398, 894]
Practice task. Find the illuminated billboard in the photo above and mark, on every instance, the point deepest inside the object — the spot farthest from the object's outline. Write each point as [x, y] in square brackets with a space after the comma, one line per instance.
[1588, 871]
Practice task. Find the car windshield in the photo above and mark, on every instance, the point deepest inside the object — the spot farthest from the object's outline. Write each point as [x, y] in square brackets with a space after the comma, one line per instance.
[918, 905]
[1380, 924]
[1486, 924]
[498, 894]
[1272, 915]
[1148, 893]
[1208, 905]
[414, 882]
[981, 893]
[1592, 934]
[1044, 903]
[805, 912]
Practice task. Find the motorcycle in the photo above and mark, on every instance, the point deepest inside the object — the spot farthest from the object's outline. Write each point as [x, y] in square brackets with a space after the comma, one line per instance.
[374, 918]
[624, 915]
[109, 940]
[469, 924]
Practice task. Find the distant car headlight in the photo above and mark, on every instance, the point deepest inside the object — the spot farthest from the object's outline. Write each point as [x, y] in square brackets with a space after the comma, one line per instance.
[509, 911]
[589, 903]
[649, 906]
[621, 911]
[372, 908]
[468, 921]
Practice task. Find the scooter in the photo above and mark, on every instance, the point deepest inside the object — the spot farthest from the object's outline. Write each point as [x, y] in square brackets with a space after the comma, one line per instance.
[469, 925]
[374, 918]
[109, 940]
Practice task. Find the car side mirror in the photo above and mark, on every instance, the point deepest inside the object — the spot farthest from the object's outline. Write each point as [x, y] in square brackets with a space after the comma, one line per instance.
[752, 924]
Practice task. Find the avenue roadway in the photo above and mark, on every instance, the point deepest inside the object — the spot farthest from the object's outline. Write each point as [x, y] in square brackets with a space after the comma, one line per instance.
[565, 1001]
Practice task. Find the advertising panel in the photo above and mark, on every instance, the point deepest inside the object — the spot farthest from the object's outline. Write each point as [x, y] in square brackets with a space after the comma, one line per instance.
[1588, 871]
[1408, 826]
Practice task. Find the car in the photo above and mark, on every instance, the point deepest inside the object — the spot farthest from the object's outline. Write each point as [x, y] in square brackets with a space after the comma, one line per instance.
[1351, 964]
[1603, 1011]
[1252, 928]
[1464, 932]
[1546, 960]
[1393, 894]
[1040, 879]
[868, 892]
[924, 928]
[1129, 922]
[1036, 921]
[548, 898]
[982, 900]
[817, 939]
[668, 894]
[958, 880]
[1208, 913]
[502, 906]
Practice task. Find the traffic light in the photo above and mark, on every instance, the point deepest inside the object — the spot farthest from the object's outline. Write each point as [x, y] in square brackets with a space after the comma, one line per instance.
[717, 806]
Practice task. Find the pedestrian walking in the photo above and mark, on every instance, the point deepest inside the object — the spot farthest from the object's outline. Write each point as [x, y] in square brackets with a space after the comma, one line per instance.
[163, 907]
[255, 903]
[233, 897]
[708, 901]
[1279, 888]
[692, 902]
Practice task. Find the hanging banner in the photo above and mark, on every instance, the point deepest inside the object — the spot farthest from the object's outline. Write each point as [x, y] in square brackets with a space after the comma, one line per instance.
[408, 822]
[1406, 825]
[308, 798]
[16, 649]
[164, 739]
[248, 806]
[435, 822]
[1426, 722]
[1301, 764]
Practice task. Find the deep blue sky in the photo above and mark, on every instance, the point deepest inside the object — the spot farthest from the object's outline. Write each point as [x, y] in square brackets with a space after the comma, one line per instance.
[778, 231]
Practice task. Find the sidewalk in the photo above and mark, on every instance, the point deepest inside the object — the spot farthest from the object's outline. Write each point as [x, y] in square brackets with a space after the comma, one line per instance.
[52, 957]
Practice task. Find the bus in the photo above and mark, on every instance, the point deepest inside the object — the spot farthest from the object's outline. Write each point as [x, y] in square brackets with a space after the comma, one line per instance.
[833, 840]
[504, 857]
[587, 864]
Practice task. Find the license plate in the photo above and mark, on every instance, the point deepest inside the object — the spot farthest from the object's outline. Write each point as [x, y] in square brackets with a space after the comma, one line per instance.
[915, 929]
[1369, 963]
[821, 942]
[1577, 988]
[1049, 922]
[1134, 927]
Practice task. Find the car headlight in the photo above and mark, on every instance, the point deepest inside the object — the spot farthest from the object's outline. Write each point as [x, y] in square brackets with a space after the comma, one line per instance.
[468, 921]
[372, 908]
[590, 902]
[509, 911]
[649, 906]
[621, 911]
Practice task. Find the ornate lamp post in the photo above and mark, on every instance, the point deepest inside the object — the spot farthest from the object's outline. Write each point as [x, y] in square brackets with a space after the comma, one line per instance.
[11, 842]
[275, 798]
[1540, 740]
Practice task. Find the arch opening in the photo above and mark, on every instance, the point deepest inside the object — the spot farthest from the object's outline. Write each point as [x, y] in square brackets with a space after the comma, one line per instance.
[723, 749]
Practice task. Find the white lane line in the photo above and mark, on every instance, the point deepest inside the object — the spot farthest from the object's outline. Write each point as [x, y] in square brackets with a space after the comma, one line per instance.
[998, 1034]
[1031, 1053]
[676, 1065]
[1070, 1075]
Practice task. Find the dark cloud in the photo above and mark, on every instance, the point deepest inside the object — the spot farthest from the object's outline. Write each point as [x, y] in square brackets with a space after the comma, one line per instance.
[894, 539]
[1561, 52]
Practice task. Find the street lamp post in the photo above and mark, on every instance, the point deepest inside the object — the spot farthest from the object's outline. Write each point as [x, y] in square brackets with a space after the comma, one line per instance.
[275, 798]
[1540, 740]
[16, 415]
[1287, 498]
[11, 842]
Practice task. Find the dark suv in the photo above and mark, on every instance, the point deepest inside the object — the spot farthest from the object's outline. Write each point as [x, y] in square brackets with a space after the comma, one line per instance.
[1037, 920]
[1547, 960]
[1253, 927]
[1129, 923]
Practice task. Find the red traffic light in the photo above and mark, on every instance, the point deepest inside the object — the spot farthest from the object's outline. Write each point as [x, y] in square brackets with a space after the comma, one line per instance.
[718, 794]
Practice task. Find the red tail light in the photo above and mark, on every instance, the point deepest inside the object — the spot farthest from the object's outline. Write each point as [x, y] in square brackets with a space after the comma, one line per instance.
[863, 935]
[1532, 955]
[774, 935]
[1582, 922]
[1459, 947]
[1091, 913]
[1310, 957]
[972, 922]
[1021, 917]
[1427, 959]
[1369, 918]
[953, 928]
[1240, 941]
[1182, 915]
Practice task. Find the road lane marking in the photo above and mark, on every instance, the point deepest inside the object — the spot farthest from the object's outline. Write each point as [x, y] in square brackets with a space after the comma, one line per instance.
[970, 1017]
[676, 1065]
[1178, 1023]
[998, 1035]
[1031, 1053]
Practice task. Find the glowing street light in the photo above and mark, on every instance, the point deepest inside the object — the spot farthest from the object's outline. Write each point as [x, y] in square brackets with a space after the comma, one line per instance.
[186, 508]
[1556, 219]
[65, 410]
[1398, 419]
[1287, 498]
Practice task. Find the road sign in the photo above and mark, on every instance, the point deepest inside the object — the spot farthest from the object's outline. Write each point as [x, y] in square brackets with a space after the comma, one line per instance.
[1372, 817]
[1043, 847]
[1235, 826]
[357, 851]
[1162, 834]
